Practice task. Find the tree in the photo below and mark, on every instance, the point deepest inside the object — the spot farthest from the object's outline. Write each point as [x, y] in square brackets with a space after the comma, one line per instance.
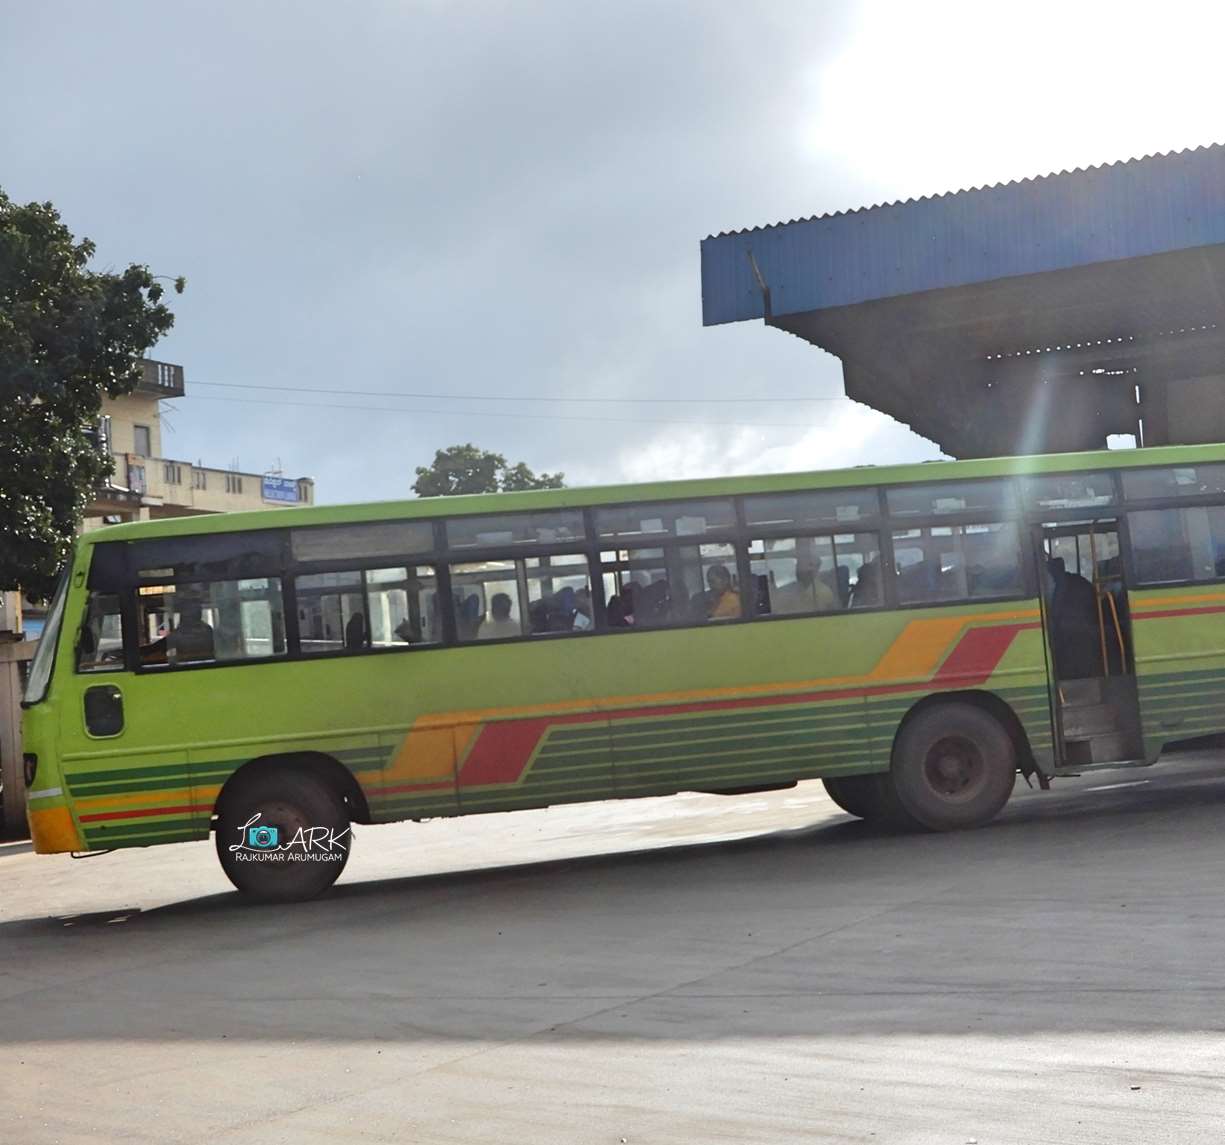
[466, 469]
[68, 336]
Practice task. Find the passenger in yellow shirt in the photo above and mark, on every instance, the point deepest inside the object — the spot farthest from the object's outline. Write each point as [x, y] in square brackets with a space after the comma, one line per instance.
[808, 592]
[722, 601]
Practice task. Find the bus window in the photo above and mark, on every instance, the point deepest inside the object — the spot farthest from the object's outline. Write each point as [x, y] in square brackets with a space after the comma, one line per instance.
[1174, 481]
[515, 529]
[558, 593]
[486, 599]
[214, 622]
[805, 575]
[957, 562]
[817, 508]
[1068, 491]
[403, 606]
[943, 497]
[679, 584]
[665, 519]
[1171, 545]
[100, 643]
[331, 612]
[359, 542]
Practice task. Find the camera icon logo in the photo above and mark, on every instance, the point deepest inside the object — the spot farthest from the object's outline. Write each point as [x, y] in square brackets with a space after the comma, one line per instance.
[263, 838]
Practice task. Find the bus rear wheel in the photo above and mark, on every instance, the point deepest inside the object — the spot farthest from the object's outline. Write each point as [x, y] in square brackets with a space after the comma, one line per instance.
[954, 766]
[859, 795]
[283, 835]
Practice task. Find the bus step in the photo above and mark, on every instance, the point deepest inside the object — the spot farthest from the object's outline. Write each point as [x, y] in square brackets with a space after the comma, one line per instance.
[1081, 693]
[1113, 747]
[1089, 720]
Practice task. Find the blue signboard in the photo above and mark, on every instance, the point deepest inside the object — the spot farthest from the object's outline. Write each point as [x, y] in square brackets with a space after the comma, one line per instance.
[281, 489]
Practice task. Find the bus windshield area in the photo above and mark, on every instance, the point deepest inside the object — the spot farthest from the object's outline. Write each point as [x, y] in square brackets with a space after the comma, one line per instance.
[44, 654]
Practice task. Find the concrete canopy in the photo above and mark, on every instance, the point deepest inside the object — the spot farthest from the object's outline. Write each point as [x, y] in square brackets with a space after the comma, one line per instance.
[1035, 316]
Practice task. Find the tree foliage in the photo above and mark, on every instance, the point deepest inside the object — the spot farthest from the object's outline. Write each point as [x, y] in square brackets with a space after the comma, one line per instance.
[68, 336]
[467, 469]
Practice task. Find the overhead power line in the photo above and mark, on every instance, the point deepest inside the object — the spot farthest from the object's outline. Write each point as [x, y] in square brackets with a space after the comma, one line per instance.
[507, 397]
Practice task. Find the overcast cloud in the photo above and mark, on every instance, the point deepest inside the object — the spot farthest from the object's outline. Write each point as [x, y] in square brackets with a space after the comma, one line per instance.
[508, 200]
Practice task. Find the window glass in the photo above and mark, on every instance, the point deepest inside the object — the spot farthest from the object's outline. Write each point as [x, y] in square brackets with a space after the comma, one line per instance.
[358, 542]
[220, 621]
[224, 555]
[558, 593]
[44, 652]
[681, 584]
[486, 600]
[533, 596]
[141, 441]
[404, 606]
[515, 529]
[100, 642]
[993, 496]
[957, 562]
[331, 612]
[1178, 481]
[1069, 491]
[667, 519]
[796, 575]
[825, 507]
[1170, 545]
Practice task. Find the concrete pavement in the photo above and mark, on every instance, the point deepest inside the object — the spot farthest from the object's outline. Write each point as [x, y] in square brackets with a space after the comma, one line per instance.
[696, 969]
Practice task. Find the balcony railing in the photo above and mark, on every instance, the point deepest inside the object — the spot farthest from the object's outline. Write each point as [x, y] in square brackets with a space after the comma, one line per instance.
[160, 378]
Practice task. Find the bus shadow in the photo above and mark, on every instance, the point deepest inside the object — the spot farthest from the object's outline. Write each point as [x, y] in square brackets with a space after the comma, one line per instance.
[1085, 909]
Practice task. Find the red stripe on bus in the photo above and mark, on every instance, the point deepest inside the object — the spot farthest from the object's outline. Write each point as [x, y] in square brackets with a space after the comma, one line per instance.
[144, 812]
[503, 748]
[1177, 612]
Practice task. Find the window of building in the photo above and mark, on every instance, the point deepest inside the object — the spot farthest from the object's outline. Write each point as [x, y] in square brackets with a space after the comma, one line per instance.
[1172, 545]
[233, 482]
[100, 642]
[798, 575]
[941, 497]
[224, 621]
[497, 599]
[818, 508]
[1177, 481]
[515, 529]
[958, 562]
[675, 584]
[665, 519]
[1068, 491]
[172, 474]
[362, 542]
[136, 478]
[142, 441]
[199, 479]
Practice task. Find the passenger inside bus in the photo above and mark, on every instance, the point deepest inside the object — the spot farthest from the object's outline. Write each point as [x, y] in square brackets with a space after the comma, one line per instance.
[807, 593]
[1076, 642]
[866, 590]
[722, 601]
[500, 624]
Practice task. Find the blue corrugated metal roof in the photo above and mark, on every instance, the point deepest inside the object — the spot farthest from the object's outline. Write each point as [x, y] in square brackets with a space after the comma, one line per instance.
[1120, 210]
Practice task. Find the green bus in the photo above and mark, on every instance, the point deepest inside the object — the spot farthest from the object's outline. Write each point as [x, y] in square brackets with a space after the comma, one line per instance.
[913, 635]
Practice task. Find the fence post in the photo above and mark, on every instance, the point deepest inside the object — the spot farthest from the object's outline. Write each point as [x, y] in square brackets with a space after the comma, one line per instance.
[12, 779]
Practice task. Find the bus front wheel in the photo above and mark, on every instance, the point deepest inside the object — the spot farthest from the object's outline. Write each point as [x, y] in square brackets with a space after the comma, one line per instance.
[954, 766]
[283, 834]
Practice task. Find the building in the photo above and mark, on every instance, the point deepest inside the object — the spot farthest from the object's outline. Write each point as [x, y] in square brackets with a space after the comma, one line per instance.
[148, 484]
[1042, 315]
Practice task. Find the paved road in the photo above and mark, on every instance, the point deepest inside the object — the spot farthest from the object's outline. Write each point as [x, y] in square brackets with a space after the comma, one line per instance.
[692, 970]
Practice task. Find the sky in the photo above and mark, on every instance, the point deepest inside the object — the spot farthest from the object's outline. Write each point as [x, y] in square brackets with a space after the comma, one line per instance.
[506, 201]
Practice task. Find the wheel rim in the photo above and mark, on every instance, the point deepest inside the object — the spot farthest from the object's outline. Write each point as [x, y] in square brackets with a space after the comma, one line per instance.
[955, 769]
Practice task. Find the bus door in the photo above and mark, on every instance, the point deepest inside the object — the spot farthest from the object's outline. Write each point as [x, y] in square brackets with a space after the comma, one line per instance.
[1089, 643]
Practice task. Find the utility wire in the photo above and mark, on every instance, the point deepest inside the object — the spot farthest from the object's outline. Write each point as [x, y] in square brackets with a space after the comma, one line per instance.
[505, 413]
[507, 398]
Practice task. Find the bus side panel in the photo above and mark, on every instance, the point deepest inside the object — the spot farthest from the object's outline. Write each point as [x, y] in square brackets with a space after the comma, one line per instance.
[995, 648]
[1179, 640]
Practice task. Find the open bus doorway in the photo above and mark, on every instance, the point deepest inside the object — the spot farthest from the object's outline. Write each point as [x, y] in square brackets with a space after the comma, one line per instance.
[1088, 629]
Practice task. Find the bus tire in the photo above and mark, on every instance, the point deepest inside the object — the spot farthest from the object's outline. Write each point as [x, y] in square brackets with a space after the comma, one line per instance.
[857, 795]
[286, 799]
[954, 766]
